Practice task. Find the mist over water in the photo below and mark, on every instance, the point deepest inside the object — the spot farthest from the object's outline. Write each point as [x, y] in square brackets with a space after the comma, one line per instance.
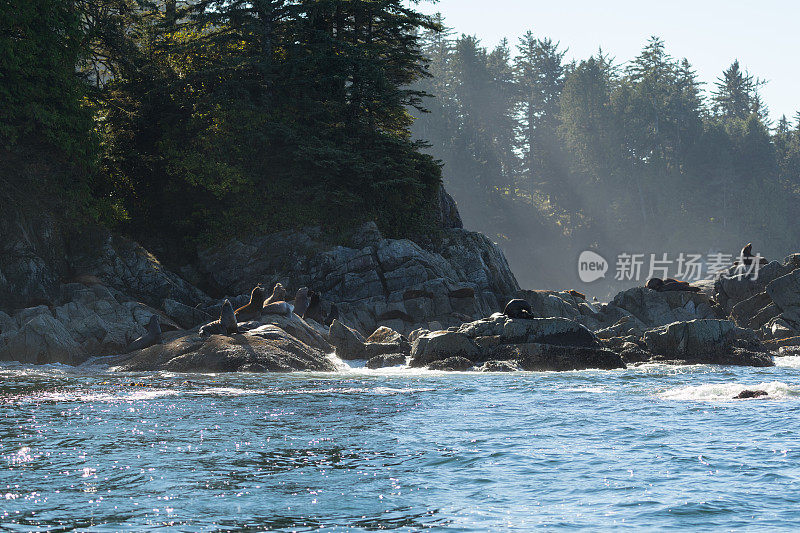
[400, 449]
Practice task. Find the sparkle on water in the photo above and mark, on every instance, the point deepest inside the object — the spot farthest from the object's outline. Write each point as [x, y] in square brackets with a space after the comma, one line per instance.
[650, 447]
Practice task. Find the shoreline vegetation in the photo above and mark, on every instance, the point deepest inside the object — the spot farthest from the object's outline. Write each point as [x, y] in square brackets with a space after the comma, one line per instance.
[160, 159]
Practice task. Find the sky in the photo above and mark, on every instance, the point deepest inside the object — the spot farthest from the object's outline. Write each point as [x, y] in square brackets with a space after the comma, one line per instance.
[763, 35]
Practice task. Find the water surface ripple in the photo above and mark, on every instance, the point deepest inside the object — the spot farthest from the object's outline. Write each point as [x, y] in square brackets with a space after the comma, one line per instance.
[649, 447]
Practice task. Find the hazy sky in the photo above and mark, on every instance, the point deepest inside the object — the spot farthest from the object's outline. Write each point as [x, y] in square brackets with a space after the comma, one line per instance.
[764, 35]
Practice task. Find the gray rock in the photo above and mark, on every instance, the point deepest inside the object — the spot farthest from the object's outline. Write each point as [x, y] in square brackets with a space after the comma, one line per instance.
[452, 364]
[557, 330]
[743, 312]
[267, 350]
[785, 290]
[187, 317]
[653, 308]
[535, 357]
[348, 342]
[41, 340]
[450, 218]
[442, 345]
[387, 360]
[706, 341]
[499, 366]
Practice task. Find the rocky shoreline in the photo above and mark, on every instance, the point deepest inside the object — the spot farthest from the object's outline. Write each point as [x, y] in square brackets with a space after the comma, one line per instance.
[397, 303]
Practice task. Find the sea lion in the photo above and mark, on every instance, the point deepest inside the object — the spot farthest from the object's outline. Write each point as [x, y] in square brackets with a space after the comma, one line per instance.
[670, 284]
[152, 337]
[576, 294]
[278, 295]
[746, 256]
[277, 308]
[518, 308]
[226, 325]
[333, 315]
[252, 310]
[301, 301]
[314, 311]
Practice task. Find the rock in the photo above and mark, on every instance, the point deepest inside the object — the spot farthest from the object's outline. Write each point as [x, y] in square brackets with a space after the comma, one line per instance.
[39, 341]
[380, 281]
[385, 341]
[535, 357]
[367, 235]
[653, 308]
[706, 341]
[450, 218]
[372, 349]
[452, 364]
[561, 331]
[7, 324]
[746, 394]
[627, 325]
[386, 360]
[348, 342]
[743, 312]
[266, 349]
[785, 290]
[32, 258]
[187, 317]
[547, 304]
[414, 335]
[130, 269]
[314, 336]
[499, 366]
[442, 345]
[385, 335]
[730, 291]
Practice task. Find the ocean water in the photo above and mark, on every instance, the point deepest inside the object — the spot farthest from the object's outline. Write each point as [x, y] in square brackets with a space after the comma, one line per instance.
[653, 447]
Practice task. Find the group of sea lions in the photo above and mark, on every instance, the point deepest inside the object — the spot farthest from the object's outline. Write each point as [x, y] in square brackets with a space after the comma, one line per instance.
[307, 305]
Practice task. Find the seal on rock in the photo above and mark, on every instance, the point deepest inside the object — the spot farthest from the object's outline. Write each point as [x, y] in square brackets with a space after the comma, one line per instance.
[252, 310]
[519, 308]
[314, 311]
[746, 256]
[152, 337]
[333, 315]
[278, 295]
[669, 284]
[301, 301]
[226, 325]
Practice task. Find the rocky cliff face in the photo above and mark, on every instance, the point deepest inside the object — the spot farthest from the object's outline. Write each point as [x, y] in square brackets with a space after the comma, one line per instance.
[66, 294]
[373, 281]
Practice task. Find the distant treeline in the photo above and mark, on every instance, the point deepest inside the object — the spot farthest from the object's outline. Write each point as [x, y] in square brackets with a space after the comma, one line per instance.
[191, 120]
[601, 153]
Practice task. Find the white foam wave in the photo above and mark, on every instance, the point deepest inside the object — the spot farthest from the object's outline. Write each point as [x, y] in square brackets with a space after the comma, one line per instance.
[592, 390]
[717, 392]
[789, 361]
[103, 396]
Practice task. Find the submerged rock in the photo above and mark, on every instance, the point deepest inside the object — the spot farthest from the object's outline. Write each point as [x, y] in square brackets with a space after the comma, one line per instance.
[537, 357]
[499, 366]
[387, 360]
[747, 394]
[452, 364]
